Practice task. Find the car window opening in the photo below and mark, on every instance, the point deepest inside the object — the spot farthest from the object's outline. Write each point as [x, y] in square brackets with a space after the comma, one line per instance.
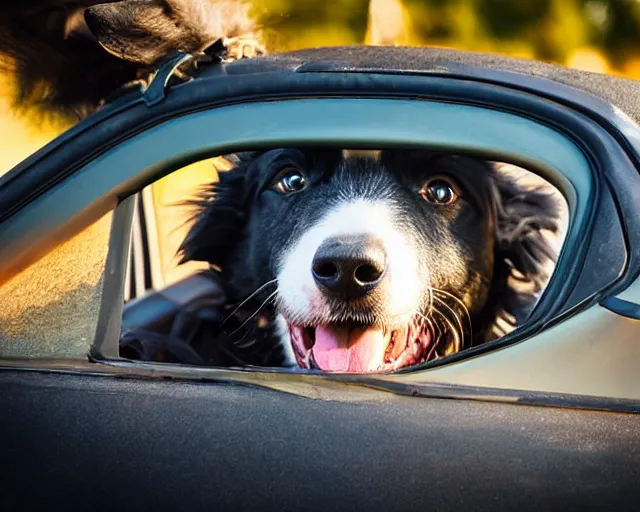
[336, 261]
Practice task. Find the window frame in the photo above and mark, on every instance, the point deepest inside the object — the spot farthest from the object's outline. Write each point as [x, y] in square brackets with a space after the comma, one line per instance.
[431, 125]
[123, 171]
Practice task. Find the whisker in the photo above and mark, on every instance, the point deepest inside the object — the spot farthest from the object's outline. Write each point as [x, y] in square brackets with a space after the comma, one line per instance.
[255, 313]
[241, 343]
[430, 298]
[455, 316]
[431, 324]
[462, 305]
[247, 300]
[452, 327]
[448, 294]
[430, 309]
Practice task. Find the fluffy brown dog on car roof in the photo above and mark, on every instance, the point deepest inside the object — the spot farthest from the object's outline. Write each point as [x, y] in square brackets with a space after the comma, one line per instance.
[68, 55]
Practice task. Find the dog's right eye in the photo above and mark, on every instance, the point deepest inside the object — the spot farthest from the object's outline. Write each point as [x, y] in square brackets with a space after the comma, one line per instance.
[288, 181]
[440, 190]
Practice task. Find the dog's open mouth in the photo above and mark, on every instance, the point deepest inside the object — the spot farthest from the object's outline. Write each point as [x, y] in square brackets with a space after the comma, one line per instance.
[362, 349]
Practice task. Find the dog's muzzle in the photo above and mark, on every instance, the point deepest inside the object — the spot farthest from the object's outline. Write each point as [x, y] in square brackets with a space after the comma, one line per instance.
[351, 272]
[351, 292]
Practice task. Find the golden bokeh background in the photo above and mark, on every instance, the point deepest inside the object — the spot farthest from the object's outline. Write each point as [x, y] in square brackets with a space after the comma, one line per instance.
[594, 35]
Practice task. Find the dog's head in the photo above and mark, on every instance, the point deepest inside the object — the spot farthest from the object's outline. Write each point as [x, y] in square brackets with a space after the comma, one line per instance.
[373, 262]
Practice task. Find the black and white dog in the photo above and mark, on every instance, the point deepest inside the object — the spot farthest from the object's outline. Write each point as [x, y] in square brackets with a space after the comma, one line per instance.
[372, 261]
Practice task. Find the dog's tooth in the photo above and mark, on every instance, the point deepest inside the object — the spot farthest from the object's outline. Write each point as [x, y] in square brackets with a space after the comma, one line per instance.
[400, 339]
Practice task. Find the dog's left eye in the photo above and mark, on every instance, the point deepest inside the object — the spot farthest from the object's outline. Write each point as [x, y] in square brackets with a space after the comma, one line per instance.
[439, 191]
[288, 181]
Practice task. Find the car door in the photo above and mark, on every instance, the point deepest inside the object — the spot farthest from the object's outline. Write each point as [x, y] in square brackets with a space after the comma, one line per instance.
[545, 418]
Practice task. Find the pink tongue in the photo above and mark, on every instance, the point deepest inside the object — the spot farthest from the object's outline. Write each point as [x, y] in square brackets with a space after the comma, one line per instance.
[341, 349]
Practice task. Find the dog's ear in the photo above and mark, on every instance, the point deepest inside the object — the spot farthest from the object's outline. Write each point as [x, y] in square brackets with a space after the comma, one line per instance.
[146, 31]
[527, 231]
[219, 215]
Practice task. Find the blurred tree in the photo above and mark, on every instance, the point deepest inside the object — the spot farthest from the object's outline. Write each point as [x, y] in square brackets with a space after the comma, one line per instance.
[552, 30]
[389, 23]
[292, 24]
[621, 30]
[507, 19]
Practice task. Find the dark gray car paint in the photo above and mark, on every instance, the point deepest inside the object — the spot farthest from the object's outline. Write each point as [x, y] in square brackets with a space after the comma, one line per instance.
[83, 443]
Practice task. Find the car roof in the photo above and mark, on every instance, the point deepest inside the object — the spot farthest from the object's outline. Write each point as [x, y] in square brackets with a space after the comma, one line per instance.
[622, 92]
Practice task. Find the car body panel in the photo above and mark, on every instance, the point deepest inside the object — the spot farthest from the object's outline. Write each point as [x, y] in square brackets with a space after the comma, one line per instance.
[102, 443]
[595, 353]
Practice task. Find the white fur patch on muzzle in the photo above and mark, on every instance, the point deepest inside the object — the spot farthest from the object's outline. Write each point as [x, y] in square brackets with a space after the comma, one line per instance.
[302, 302]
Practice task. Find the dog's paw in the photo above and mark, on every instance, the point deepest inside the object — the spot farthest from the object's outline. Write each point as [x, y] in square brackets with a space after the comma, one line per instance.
[188, 70]
[242, 48]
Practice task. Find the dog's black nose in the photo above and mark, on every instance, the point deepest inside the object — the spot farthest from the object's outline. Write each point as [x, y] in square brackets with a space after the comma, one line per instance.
[349, 266]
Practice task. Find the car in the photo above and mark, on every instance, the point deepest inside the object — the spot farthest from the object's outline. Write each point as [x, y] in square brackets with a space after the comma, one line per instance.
[545, 418]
